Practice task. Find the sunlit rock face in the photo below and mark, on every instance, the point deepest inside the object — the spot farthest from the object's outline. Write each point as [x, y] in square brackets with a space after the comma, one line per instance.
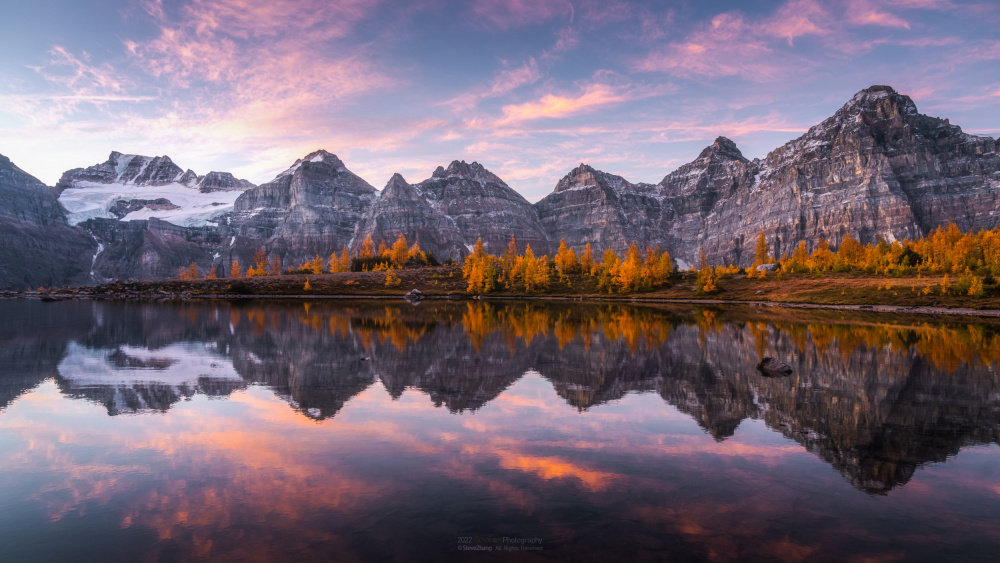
[37, 246]
[446, 213]
[876, 168]
[607, 211]
[311, 208]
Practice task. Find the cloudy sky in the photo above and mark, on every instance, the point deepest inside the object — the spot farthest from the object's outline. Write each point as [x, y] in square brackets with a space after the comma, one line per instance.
[530, 88]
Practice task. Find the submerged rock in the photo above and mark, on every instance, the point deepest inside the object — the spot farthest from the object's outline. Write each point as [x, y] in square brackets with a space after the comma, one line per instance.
[771, 367]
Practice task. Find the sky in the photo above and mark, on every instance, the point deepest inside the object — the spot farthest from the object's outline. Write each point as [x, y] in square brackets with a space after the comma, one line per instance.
[529, 88]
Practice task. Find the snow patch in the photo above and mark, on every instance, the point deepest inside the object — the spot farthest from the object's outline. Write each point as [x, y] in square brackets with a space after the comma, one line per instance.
[88, 200]
[177, 364]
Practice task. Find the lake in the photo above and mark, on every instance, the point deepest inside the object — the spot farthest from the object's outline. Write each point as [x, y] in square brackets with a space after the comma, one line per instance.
[477, 431]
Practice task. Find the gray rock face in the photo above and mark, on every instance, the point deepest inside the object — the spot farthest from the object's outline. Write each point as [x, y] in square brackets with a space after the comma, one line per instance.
[449, 211]
[37, 247]
[222, 181]
[23, 197]
[311, 208]
[607, 211]
[876, 168]
[402, 209]
[129, 169]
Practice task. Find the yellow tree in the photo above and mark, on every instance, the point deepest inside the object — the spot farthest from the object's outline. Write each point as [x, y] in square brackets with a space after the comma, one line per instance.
[416, 254]
[664, 265]
[275, 267]
[534, 272]
[189, 273]
[236, 271]
[707, 276]
[821, 258]
[367, 248]
[383, 250]
[400, 252]
[799, 260]
[587, 260]
[509, 263]
[630, 271]
[762, 252]
[315, 265]
[211, 275]
[391, 279]
[608, 271]
[478, 270]
[259, 267]
[565, 259]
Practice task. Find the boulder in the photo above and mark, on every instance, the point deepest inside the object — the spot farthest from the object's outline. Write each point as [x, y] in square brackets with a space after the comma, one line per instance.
[772, 367]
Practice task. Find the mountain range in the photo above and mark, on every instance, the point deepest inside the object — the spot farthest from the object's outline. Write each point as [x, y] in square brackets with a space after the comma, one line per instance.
[875, 169]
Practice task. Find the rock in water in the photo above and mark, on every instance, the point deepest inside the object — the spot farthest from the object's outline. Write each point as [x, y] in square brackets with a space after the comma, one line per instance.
[771, 367]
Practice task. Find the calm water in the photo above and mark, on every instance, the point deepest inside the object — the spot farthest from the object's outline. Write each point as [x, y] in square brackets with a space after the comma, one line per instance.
[381, 431]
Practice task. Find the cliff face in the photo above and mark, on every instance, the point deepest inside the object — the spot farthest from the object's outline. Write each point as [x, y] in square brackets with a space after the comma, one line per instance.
[603, 209]
[462, 203]
[37, 246]
[876, 168]
[311, 208]
[402, 209]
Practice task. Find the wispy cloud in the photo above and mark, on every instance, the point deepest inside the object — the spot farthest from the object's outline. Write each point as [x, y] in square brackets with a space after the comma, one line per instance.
[555, 106]
[868, 12]
[506, 80]
[506, 14]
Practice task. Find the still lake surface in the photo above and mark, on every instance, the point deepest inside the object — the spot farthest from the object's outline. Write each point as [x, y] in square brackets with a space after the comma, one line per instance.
[292, 431]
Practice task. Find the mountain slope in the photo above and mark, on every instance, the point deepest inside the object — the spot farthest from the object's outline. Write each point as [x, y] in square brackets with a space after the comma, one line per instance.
[464, 202]
[133, 187]
[37, 247]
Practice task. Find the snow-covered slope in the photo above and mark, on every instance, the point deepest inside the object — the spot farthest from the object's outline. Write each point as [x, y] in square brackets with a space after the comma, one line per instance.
[134, 187]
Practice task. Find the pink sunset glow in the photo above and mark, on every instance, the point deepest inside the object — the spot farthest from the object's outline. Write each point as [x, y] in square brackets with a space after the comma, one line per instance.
[528, 88]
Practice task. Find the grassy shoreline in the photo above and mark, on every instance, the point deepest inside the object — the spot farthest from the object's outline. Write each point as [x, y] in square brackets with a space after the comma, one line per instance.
[831, 290]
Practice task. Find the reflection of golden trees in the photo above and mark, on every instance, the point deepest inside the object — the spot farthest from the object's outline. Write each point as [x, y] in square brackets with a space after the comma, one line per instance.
[517, 324]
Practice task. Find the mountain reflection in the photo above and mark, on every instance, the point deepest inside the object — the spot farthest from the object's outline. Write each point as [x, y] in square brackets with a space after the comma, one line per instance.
[872, 398]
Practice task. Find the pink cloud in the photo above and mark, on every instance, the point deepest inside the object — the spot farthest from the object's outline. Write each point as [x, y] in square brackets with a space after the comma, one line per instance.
[505, 14]
[867, 12]
[727, 46]
[797, 18]
[553, 106]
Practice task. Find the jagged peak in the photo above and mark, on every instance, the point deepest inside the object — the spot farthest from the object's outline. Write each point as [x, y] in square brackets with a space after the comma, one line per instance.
[585, 175]
[880, 101]
[467, 171]
[723, 148]
[320, 155]
[396, 180]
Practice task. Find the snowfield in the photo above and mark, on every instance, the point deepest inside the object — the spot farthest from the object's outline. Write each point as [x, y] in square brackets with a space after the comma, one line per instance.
[175, 365]
[87, 200]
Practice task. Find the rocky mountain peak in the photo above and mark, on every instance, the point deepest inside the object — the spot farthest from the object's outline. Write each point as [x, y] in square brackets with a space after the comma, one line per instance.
[467, 171]
[221, 181]
[722, 149]
[579, 177]
[321, 155]
[396, 182]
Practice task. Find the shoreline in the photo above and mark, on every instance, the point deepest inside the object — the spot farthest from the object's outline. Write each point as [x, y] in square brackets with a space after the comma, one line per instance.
[867, 308]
